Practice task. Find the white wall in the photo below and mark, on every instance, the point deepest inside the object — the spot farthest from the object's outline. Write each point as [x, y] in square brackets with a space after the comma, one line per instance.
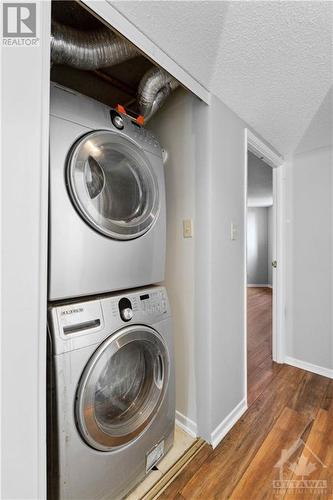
[219, 349]
[257, 246]
[173, 126]
[227, 265]
[220, 297]
[24, 135]
[309, 321]
[205, 275]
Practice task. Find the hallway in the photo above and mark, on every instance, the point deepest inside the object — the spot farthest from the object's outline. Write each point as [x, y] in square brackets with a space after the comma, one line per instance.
[289, 413]
[293, 413]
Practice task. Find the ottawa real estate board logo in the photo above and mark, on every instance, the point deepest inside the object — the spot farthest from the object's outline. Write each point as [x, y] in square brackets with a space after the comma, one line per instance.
[19, 24]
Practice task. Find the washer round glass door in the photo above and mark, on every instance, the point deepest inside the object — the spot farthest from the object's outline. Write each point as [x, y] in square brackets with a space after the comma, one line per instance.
[122, 387]
[112, 185]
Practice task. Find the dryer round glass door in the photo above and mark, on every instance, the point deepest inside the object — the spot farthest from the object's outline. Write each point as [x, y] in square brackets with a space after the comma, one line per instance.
[122, 387]
[113, 185]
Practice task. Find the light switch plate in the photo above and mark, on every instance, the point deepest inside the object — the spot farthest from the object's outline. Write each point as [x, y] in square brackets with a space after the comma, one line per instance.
[187, 228]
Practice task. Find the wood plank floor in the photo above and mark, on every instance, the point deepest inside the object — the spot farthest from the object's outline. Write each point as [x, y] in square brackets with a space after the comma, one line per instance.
[282, 447]
[261, 368]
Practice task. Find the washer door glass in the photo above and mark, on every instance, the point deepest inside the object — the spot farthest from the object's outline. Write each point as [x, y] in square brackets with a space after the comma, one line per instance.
[122, 387]
[113, 185]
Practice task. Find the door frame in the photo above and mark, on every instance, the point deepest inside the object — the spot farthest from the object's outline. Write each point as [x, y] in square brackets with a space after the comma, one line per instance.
[254, 144]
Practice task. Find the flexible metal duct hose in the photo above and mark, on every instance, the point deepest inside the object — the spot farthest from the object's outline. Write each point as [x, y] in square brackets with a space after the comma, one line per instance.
[88, 50]
[154, 88]
[102, 48]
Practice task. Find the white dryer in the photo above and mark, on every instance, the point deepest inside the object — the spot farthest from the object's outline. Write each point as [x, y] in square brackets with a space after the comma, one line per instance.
[107, 200]
[111, 398]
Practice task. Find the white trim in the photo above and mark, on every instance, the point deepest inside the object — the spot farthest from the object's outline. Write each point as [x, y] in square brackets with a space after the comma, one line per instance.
[275, 353]
[258, 148]
[224, 427]
[245, 266]
[259, 286]
[186, 424]
[43, 245]
[26, 299]
[309, 367]
[280, 272]
[111, 16]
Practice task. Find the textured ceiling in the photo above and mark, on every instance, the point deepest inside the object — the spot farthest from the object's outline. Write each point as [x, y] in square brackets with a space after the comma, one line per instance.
[181, 29]
[274, 66]
[319, 133]
[270, 61]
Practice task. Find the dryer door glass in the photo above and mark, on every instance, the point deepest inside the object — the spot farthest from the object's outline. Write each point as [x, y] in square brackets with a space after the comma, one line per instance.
[122, 387]
[113, 185]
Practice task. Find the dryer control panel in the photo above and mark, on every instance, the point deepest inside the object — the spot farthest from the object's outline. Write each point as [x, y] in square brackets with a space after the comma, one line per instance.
[142, 136]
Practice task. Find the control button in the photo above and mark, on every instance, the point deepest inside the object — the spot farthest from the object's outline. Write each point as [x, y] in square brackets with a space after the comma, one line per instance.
[117, 120]
[126, 314]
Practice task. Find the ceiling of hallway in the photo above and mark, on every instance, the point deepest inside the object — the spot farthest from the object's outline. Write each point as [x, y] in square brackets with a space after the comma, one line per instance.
[270, 62]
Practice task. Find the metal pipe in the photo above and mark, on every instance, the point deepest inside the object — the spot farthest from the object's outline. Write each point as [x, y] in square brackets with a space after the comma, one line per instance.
[92, 50]
[154, 88]
[88, 50]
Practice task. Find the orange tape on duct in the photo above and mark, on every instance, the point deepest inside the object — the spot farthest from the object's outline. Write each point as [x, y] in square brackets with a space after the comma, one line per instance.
[140, 120]
[121, 109]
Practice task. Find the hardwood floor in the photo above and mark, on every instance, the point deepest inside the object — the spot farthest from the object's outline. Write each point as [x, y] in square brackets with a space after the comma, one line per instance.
[282, 447]
[261, 368]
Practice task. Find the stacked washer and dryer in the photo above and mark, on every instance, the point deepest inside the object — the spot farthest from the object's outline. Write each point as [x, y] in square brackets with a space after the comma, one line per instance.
[111, 402]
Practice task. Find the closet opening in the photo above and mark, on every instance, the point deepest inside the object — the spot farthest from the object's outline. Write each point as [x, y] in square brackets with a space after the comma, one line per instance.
[122, 158]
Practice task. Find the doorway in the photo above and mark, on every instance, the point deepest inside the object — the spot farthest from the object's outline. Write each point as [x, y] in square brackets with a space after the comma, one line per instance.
[259, 273]
[263, 343]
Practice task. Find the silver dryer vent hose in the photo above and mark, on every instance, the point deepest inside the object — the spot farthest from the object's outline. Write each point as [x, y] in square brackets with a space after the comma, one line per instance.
[88, 50]
[91, 50]
[155, 87]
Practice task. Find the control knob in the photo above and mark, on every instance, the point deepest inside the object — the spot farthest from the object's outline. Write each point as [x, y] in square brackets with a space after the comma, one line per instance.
[117, 120]
[126, 314]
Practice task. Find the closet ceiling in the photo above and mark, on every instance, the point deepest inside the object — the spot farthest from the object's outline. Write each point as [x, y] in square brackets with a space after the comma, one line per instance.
[270, 62]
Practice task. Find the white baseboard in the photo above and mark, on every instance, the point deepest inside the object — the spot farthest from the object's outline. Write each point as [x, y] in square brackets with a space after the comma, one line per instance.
[259, 286]
[309, 367]
[224, 427]
[186, 424]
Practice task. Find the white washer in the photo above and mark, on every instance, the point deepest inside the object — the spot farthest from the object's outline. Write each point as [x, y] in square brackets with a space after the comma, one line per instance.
[111, 397]
[107, 200]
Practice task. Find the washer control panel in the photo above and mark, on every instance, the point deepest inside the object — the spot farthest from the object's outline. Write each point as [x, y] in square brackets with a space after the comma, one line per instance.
[77, 325]
[153, 302]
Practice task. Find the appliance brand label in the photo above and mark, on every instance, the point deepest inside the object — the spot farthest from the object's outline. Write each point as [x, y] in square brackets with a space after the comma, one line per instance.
[74, 314]
[72, 311]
